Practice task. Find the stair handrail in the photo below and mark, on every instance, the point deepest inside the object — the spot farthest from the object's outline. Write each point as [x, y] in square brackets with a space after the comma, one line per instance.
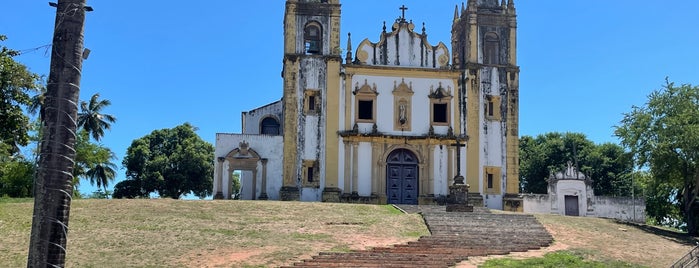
[691, 259]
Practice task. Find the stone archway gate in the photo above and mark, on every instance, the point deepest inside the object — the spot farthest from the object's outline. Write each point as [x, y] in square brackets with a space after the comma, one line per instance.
[242, 158]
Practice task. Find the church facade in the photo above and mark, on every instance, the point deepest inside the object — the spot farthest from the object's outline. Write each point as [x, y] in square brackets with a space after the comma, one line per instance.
[393, 121]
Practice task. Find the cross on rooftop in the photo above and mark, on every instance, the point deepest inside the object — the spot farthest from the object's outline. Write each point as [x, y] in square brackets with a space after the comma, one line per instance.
[403, 9]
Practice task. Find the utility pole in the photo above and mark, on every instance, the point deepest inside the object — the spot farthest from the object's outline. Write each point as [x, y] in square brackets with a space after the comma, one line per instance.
[54, 182]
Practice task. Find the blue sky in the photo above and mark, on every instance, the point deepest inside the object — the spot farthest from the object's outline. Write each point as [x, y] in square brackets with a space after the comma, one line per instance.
[163, 63]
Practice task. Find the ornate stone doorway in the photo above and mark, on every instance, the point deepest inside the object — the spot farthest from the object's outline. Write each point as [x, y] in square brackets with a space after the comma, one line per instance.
[402, 177]
[242, 158]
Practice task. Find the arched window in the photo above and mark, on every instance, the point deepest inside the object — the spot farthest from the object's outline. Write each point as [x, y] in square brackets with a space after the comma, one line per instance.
[491, 51]
[269, 126]
[312, 36]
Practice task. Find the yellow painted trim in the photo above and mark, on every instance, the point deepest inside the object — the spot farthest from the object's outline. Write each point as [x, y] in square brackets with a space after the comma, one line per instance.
[512, 139]
[473, 154]
[332, 115]
[289, 172]
[401, 72]
[290, 28]
[347, 101]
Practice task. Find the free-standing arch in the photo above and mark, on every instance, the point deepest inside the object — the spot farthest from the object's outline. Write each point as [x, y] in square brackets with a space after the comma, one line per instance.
[402, 177]
[242, 158]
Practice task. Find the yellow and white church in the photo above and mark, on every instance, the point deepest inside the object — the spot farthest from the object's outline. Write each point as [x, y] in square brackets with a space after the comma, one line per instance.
[394, 121]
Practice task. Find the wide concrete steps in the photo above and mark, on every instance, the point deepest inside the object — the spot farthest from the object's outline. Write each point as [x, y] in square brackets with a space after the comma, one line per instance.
[455, 236]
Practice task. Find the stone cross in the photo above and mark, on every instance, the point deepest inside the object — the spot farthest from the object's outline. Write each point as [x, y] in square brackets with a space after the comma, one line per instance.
[458, 179]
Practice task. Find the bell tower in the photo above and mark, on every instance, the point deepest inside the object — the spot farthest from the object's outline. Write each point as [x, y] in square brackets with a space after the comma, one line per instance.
[311, 78]
[484, 48]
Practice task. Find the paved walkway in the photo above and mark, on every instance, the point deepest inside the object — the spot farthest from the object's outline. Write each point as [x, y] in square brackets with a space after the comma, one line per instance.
[455, 236]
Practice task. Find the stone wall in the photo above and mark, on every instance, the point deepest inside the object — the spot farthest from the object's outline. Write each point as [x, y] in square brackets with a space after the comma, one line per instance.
[621, 208]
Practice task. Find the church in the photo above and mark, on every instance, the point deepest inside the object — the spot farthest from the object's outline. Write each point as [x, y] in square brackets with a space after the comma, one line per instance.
[387, 122]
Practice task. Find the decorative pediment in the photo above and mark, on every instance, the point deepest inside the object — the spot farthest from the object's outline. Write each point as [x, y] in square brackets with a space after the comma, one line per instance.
[440, 92]
[243, 152]
[403, 46]
[403, 89]
[365, 89]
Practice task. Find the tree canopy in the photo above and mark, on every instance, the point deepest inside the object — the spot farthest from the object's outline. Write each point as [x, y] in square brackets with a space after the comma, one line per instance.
[607, 164]
[663, 136]
[16, 84]
[170, 162]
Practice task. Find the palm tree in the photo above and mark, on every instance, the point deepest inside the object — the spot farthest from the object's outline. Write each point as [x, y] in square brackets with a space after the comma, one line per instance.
[91, 119]
[53, 185]
[102, 174]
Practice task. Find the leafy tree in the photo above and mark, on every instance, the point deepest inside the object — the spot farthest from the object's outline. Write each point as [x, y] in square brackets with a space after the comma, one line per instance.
[16, 84]
[99, 194]
[235, 185]
[607, 164]
[663, 136]
[129, 188]
[16, 177]
[92, 119]
[171, 162]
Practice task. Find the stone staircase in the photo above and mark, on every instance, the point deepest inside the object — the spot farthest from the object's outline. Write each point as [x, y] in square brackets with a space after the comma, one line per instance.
[455, 236]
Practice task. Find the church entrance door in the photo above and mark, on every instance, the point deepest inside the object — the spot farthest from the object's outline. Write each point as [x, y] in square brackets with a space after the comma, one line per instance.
[571, 203]
[402, 177]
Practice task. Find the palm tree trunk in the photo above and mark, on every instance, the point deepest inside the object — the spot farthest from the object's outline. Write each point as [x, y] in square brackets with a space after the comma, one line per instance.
[54, 189]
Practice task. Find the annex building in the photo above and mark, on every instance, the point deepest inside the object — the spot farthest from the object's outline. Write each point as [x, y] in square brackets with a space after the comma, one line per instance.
[392, 120]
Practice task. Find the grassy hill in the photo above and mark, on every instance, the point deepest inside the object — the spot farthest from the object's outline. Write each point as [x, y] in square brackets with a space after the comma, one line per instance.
[177, 233]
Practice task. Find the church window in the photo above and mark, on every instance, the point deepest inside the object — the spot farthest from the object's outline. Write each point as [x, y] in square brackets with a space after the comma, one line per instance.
[439, 113]
[492, 108]
[365, 110]
[365, 103]
[269, 126]
[491, 51]
[310, 174]
[440, 106]
[491, 179]
[312, 38]
[311, 102]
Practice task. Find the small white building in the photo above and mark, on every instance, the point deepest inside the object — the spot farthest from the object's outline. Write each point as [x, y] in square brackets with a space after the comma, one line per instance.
[570, 193]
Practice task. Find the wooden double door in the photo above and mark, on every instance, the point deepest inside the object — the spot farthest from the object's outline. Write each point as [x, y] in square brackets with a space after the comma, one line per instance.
[402, 177]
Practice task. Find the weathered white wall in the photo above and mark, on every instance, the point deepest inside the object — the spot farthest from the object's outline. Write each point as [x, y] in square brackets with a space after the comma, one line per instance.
[252, 119]
[441, 166]
[270, 147]
[404, 47]
[536, 203]
[364, 169]
[571, 187]
[311, 146]
[493, 201]
[621, 208]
